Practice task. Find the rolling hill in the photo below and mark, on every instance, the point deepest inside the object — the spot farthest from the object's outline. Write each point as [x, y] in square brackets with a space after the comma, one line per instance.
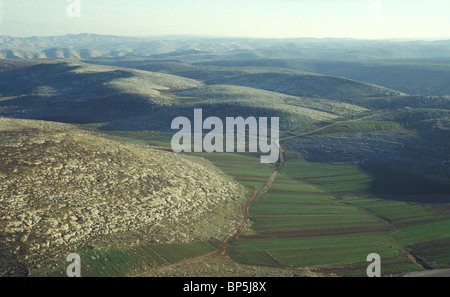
[71, 91]
[129, 99]
[308, 85]
[418, 76]
[63, 188]
[198, 48]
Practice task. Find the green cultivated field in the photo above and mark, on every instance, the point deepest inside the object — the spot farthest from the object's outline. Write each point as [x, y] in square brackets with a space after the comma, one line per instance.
[325, 216]
[332, 217]
[172, 253]
[245, 168]
[361, 126]
[116, 261]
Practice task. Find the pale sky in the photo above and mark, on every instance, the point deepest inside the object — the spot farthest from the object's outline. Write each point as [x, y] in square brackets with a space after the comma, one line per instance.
[239, 18]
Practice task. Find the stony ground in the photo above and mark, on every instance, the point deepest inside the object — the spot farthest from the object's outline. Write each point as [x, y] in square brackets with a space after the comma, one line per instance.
[62, 186]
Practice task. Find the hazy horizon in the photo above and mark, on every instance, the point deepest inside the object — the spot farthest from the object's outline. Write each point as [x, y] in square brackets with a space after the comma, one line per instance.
[182, 36]
[285, 19]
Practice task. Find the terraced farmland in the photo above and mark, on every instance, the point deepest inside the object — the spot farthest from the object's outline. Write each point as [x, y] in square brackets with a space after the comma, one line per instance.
[122, 260]
[329, 217]
[297, 224]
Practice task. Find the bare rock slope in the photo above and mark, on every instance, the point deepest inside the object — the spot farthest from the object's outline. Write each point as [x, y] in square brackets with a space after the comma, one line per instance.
[62, 187]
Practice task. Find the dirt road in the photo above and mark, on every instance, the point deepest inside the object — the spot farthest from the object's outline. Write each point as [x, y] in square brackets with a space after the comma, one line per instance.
[246, 207]
[221, 250]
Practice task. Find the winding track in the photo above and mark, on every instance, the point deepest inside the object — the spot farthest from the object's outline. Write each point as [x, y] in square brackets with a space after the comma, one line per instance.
[224, 245]
[222, 249]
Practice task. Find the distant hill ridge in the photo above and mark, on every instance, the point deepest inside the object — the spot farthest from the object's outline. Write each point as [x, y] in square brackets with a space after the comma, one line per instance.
[228, 48]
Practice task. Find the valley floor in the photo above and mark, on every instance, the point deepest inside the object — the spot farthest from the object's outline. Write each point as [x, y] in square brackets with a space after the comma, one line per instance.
[311, 219]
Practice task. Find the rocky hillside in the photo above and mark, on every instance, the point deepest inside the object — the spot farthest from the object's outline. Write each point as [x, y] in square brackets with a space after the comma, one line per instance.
[62, 187]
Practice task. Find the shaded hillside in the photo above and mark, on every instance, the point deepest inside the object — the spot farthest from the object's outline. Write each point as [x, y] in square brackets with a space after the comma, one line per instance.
[69, 53]
[271, 75]
[292, 77]
[128, 99]
[224, 101]
[316, 108]
[413, 140]
[413, 77]
[61, 188]
[20, 54]
[70, 91]
[308, 85]
[416, 76]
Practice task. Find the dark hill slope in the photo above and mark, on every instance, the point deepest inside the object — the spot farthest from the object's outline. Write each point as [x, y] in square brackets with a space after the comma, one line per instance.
[71, 91]
[62, 188]
[308, 85]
